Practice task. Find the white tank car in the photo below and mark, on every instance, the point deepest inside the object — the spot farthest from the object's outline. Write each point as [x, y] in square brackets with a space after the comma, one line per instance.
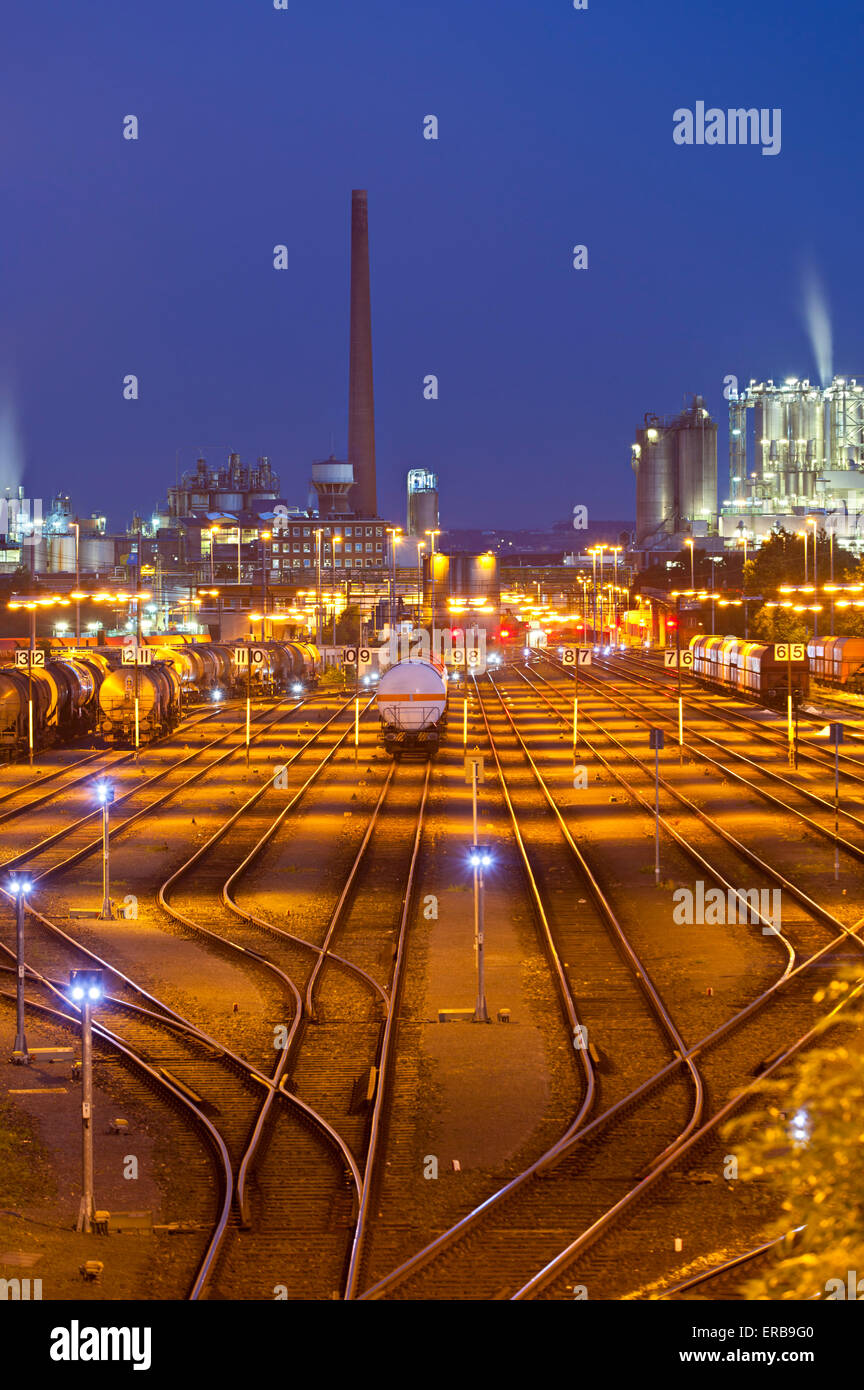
[412, 706]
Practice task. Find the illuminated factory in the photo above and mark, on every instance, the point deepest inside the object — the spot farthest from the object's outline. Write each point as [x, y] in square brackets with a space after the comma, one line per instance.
[795, 449]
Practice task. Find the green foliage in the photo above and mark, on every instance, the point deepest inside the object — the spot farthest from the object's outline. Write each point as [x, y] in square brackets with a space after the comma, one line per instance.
[348, 626]
[804, 1142]
[780, 625]
[331, 679]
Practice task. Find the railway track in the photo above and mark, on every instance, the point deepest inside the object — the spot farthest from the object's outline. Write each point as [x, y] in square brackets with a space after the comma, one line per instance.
[575, 1173]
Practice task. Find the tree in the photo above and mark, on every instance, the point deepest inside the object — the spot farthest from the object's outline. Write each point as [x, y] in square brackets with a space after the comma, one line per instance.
[804, 1143]
[780, 625]
[348, 626]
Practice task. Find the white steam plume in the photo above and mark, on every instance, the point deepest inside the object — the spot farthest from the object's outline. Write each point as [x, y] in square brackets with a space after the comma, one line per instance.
[11, 453]
[818, 320]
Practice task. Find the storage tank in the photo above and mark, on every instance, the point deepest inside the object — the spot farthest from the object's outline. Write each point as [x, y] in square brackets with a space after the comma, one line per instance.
[158, 688]
[422, 502]
[697, 464]
[332, 481]
[412, 703]
[60, 554]
[96, 554]
[655, 463]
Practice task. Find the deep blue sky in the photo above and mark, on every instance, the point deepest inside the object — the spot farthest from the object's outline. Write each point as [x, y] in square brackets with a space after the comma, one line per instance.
[155, 257]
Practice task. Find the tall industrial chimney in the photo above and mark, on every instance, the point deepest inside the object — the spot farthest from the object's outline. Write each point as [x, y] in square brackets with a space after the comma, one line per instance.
[361, 401]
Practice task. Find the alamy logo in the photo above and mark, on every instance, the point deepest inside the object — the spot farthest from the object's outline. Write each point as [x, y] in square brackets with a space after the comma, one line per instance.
[76, 1343]
[20, 1289]
[853, 1288]
[734, 127]
[716, 908]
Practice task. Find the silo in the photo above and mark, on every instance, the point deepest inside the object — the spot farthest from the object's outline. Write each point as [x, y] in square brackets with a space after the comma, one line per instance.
[61, 554]
[697, 464]
[96, 554]
[422, 502]
[655, 463]
[770, 432]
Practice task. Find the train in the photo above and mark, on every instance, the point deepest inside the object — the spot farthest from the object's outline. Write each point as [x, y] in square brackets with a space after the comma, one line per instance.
[412, 707]
[749, 668]
[86, 692]
[64, 694]
[838, 661]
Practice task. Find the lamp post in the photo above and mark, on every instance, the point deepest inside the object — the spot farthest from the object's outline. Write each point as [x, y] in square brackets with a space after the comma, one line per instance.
[19, 887]
[76, 527]
[432, 534]
[689, 542]
[803, 535]
[394, 532]
[239, 541]
[319, 634]
[105, 796]
[264, 537]
[85, 989]
[811, 522]
[335, 540]
[420, 548]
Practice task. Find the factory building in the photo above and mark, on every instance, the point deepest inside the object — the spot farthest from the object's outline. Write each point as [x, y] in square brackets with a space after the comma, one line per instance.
[675, 462]
[795, 449]
[422, 513]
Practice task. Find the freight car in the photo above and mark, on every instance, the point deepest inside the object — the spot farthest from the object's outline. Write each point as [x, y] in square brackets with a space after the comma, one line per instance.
[201, 666]
[749, 668]
[838, 661]
[64, 702]
[278, 667]
[158, 693]
[412, 707]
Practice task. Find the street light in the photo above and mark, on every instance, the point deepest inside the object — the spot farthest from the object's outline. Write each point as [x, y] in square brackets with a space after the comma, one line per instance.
[264, 537]
[421, 546]
[689, 543]
[394, 532]
[105, 796]
[85, 990]
[19, 886]
[811, 522]
[76, 527]
[480, 858]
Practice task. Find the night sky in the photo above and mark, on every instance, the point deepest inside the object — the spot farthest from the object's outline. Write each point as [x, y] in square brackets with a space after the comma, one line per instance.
[155, 257]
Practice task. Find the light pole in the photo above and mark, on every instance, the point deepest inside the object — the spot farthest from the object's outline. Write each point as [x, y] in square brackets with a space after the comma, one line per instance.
[85, 989]
[319, 634]
[105, 796]
[480, 859]
[655, 741]
[420, 548]
[811, 522]
[239, 540]
[264, 537]
[76, 527]
[335, 540]
[689, 542]
[19, 887]
[432, 534]
[394, 532]
[803, 535]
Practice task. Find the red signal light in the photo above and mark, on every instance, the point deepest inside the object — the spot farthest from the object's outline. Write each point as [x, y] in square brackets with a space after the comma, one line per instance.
[505, 632]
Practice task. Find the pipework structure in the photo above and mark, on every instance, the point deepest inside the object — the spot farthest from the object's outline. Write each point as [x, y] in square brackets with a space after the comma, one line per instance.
[795, 447]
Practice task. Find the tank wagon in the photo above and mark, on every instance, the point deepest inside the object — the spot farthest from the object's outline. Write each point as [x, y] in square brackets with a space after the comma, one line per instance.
[158, 690]
[749, 668]
[201, 666]
[64, 693]
[277, 669]
[412, 707]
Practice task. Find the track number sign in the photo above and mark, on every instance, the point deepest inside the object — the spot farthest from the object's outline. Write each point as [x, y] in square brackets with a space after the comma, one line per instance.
[789, 651]
[137, 656]
[670, 658]
[351, 655]
[23, 658]
[570, 656]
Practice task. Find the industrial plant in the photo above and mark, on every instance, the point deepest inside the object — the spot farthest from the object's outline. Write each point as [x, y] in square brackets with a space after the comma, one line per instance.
[795, 448]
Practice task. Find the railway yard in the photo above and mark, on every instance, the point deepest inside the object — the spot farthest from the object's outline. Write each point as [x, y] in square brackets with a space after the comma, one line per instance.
[287, 1077]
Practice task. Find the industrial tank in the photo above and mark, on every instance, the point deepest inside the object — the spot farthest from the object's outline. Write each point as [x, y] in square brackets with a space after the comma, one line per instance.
[697, 464]
[158, 689]
[412, 702]
[655, 463]
[422, 502]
